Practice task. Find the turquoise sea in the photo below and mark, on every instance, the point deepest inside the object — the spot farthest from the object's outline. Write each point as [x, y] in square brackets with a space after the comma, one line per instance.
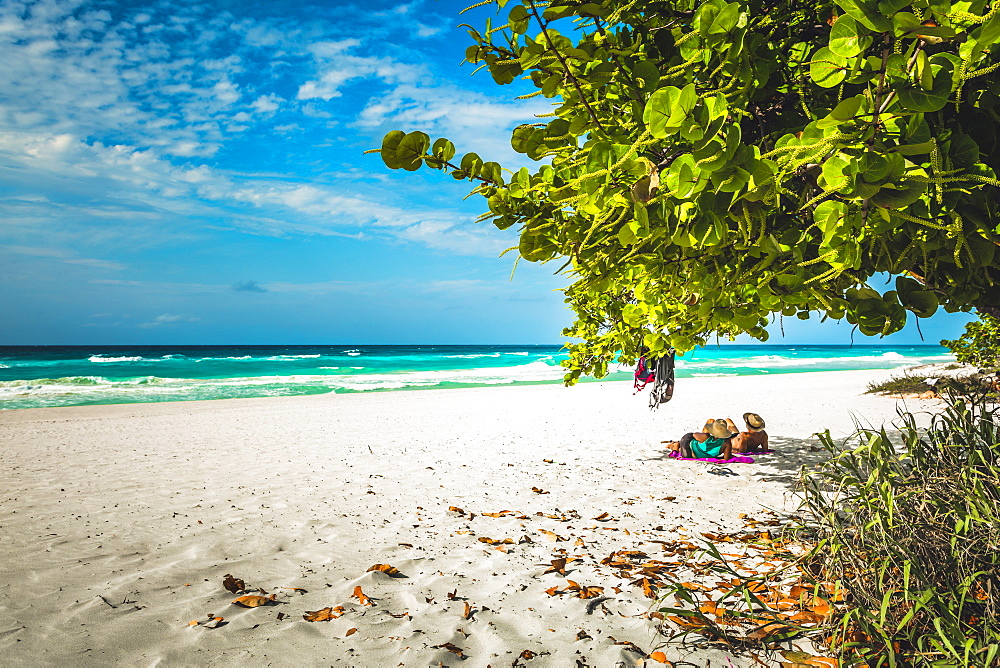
[34, 376]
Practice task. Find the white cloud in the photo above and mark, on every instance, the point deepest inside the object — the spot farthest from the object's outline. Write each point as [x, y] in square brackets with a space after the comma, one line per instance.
[167, 319]
[64, 256]
[106, 123]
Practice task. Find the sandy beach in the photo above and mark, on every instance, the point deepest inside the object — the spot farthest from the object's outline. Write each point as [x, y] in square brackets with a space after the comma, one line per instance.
[119, 523]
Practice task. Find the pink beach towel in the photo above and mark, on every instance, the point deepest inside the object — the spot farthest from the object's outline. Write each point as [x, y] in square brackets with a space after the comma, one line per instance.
[732, 460]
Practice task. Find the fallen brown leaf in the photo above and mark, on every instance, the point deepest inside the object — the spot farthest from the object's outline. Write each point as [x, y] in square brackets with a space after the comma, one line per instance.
[253, 601]
[536, 490]
[551, 535]
[360, 595]
[350, 632]
[660, 657]
[628, 644]
[500, 514]
[324, 615]
[527, 654]
[806, 659]
[454, 649]
[558, 566]
[603, 517]
[234, 585]
[211, 623]
[391, 571]
[769, 630]
[468, 611]
[554, 591]
[496, 541]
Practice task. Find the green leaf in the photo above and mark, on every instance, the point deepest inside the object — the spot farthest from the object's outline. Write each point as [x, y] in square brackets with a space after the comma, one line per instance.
[471, 164]
[866, 13]
[916, 297]
[828, 216]
[892, 196]
[846, 38]
[411, 150]
[985, 37]
[915, 98]
[518, 19]
[687, 98]
[726, 19]
[834, 174]
[389, 144]
[647, 73]
[827, 69]
[847, 109]
[658, 110]
[964, 151]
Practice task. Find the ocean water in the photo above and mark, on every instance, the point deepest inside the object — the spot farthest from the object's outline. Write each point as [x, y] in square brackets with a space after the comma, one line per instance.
[36, 376]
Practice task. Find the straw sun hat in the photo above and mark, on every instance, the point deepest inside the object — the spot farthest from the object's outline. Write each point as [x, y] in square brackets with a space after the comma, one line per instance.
[719, 429]
[753, 421]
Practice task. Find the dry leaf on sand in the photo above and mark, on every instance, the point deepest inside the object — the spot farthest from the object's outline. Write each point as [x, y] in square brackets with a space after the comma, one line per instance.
[584, 591]
[253, 600]
[558, 566]
[454, 649]
[350, 632]
[797, 658]
[660, 657]
[536, 490]
[552, 535]
[211, 623]
[324, 615]
[360, 595]
[234, 585]
[391, 571]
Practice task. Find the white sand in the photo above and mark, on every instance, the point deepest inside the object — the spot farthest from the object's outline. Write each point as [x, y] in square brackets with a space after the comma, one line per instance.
[118, 523]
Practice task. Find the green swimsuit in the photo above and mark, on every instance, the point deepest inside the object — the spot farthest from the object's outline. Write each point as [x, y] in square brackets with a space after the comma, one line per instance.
[711, 448]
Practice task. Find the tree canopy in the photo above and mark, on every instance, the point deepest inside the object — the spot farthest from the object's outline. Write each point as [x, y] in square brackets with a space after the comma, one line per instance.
[711, 165]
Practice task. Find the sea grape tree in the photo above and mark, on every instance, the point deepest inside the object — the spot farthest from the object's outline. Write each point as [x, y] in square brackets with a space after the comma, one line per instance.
[709, 165]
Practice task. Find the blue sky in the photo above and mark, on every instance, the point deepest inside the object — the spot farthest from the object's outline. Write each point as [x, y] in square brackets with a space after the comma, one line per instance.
[178, 172]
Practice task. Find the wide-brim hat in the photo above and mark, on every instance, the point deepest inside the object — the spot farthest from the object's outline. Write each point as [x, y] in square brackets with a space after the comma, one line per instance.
[719, 429]
[753, 420]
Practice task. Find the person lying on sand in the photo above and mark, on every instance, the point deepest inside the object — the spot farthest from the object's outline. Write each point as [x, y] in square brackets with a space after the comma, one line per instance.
[715, 441]
[754, 438]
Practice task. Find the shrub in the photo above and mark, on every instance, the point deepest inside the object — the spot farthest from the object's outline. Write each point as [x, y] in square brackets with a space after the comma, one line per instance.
[911, 531]
[980, 344]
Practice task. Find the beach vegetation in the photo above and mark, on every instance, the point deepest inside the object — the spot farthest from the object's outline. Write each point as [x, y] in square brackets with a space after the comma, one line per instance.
[907, 525]
[979, 345]
[711, 166]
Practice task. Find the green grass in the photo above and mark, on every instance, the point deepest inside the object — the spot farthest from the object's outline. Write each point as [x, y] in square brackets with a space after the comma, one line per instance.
[909, 524]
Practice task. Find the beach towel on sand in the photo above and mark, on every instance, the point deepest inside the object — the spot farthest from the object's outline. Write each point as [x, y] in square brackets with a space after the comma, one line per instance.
[739, 459]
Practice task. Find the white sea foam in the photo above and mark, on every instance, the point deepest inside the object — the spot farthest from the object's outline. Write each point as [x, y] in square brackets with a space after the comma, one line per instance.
[517, 353]
[354, 353]
[472, 357]
[97, 359]
[284, 358]
[329, 367]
